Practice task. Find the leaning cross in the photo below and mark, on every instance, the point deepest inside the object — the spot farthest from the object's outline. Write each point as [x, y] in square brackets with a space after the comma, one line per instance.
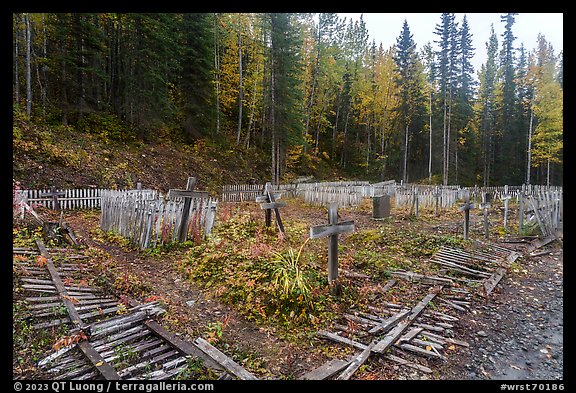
[466, 209]
[187, 195]
[333, 229]
[54, 194]
[268, 202]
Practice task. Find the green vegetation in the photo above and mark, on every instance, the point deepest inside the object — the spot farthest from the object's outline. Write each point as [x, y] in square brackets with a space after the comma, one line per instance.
[246, 265]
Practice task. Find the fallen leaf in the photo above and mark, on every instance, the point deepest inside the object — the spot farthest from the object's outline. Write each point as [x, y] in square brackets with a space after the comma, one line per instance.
[452, 347]
[41, 261]
[428, 348]
[99, 364]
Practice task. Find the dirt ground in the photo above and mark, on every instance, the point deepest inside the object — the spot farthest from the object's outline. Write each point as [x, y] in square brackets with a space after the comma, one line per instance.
[515, 334]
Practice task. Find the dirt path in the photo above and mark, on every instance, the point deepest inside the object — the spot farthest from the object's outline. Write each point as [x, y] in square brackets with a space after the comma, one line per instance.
[518, 333]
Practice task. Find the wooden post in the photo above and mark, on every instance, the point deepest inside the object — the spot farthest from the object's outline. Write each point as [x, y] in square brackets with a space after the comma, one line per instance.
[54, 194]
[332, 230]
[521, 211]
[506, 198]
[485, 205]
[437, 197]
[187, 194]
[466, 209]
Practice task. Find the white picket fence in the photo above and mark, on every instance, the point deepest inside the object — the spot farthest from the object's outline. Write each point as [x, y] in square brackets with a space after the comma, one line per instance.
[149, 220]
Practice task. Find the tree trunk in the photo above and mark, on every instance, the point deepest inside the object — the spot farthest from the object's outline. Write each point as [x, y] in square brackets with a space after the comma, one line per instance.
[240, 87]
[309, 111]
[28, 67]
[334, 129]
[272, 117]
[252, 108]
[430, 145]
[16, 61]
[342, 161]
[404, 173]
[217, 69]
[444, 178]
[448, 136]
[317, 136]
[44, 76]
[529, 158]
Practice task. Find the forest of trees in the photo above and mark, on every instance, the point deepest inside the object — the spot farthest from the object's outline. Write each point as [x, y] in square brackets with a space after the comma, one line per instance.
[301, 88]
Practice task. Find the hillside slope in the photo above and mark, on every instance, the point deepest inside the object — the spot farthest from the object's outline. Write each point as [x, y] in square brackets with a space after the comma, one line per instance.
[62, 156]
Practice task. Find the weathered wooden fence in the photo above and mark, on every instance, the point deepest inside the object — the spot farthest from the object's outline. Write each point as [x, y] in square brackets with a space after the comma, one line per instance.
[445, 197]
[545, 207]
[322, 196]
[241, 192]
[78, 198]
[148, 221]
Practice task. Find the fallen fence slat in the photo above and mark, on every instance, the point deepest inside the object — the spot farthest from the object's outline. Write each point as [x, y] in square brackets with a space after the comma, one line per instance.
[223, 360]
[326, 370]
[356, 362]
[408, 363]
[395, 333]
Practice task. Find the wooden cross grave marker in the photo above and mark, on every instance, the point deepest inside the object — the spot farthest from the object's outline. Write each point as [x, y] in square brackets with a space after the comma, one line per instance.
[54, 194]
[268, 202]
[332, 230]
[466, 209]
[187, 195]
[485, 205]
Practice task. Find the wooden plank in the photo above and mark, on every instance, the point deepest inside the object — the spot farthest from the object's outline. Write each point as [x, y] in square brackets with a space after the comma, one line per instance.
[490, 283]
[340, 339]
[223, 360]
[395, 333]
[361, 320]
[448, 340]
[432, 280]
[326, 370]
[272, 205]
[537, 243]
[319, 231]
[356, 363]
[426, 343]
[72, 312]
[105, 369]
[389, 323]
[181, 345]
[408, 363]
[452, 304]
[389, 284]
[411, 334]
[421, 351]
